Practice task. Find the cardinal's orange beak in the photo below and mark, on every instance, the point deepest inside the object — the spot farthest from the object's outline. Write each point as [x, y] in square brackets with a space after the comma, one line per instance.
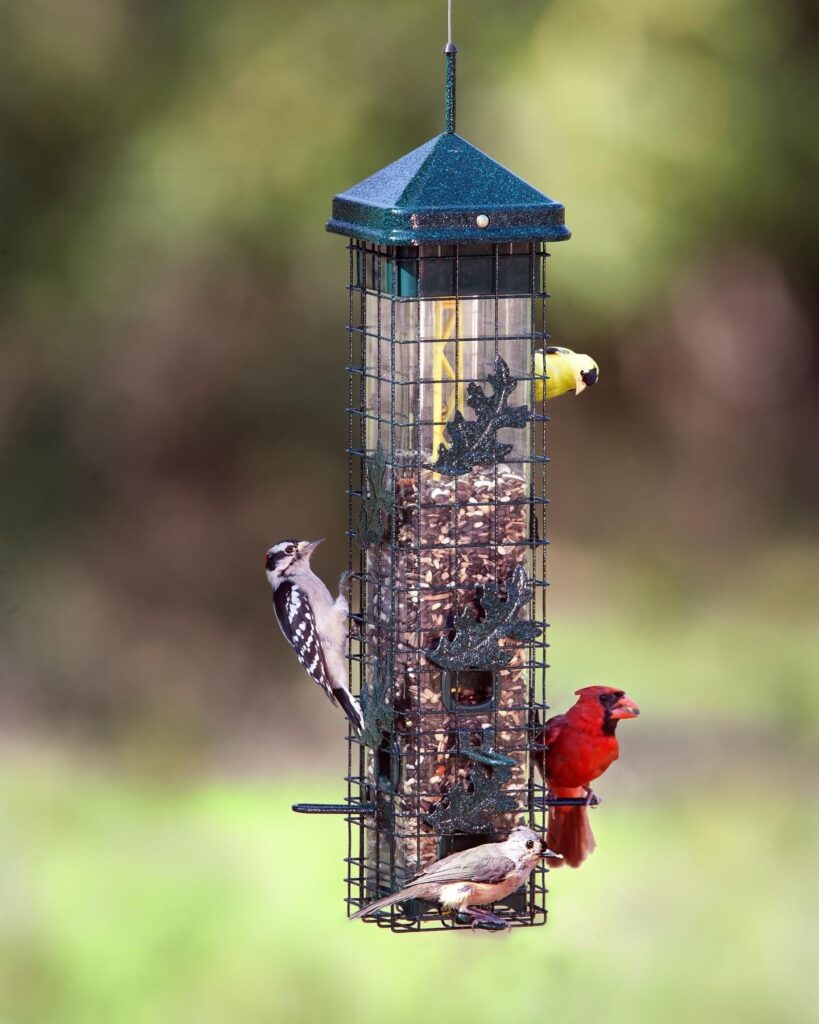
[625, 708]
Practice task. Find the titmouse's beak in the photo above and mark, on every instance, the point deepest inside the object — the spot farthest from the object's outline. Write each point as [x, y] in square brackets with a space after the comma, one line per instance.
[307, 547]
[550, 853]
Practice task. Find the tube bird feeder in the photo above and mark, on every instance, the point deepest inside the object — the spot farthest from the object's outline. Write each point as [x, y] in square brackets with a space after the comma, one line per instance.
[447, 492]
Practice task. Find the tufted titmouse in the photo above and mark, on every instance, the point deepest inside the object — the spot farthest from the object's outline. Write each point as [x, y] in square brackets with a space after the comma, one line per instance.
[477, 876]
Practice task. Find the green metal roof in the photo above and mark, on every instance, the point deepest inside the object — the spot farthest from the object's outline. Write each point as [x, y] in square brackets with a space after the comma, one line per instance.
[435, 194]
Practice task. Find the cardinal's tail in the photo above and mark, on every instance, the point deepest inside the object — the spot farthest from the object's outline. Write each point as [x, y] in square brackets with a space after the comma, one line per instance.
[385, 901]
[569, 833]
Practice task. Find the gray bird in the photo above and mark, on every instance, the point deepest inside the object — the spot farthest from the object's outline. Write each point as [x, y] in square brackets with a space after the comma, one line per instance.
[481, 875]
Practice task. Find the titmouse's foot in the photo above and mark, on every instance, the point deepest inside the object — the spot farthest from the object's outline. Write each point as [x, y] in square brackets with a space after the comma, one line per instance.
[485, 919]
[592, 799]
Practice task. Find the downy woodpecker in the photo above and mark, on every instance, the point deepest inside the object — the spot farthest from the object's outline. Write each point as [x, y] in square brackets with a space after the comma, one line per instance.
[313, 623]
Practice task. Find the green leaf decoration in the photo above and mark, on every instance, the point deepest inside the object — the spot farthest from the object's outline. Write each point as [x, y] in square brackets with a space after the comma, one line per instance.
[474, 442]
[377, 503]
[476, 644]
[379, 716]
[484, 751]
[475, 802]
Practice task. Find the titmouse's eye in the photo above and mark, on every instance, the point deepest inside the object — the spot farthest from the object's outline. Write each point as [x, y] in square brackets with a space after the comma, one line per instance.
[530, 844]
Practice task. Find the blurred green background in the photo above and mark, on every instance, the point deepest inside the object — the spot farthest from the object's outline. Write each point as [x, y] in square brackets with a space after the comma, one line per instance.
[172, 388]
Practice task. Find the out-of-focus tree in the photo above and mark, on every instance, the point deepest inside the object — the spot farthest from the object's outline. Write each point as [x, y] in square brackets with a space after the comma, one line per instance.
[171, 331]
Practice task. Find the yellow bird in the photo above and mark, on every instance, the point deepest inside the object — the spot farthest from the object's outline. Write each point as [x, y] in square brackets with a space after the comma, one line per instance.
[566, 371]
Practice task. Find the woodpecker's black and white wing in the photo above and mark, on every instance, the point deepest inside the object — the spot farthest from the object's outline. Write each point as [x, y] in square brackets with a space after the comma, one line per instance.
[299, 627]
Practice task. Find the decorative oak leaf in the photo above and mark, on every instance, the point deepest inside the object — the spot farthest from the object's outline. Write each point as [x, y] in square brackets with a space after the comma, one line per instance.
[474, 803]
[474, 442]
[476, 643]
[377, 503]
[379, 716]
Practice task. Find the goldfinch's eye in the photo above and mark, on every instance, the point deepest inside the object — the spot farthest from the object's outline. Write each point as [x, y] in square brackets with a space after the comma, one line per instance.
[530, 844]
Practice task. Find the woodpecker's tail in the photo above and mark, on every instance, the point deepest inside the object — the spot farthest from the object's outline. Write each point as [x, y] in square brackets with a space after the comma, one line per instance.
[569, 833]
[351, 707]
[404, 894]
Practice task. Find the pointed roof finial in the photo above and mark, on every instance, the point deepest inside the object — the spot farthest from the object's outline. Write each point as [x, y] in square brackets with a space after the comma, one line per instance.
[449, 96]
[446, 192]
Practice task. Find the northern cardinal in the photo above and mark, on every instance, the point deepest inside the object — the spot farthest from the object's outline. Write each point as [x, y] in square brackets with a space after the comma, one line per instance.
[580, 746]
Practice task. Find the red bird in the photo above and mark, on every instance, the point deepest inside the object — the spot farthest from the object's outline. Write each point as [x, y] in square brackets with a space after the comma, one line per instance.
[580, 746]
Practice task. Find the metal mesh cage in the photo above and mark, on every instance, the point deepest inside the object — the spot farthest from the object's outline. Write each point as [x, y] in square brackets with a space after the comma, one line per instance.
[447, 485]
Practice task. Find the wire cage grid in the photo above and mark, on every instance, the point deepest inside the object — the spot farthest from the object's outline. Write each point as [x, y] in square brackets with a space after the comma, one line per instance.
[447, 539]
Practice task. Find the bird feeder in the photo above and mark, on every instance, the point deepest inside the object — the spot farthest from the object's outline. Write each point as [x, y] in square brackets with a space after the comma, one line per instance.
[447, 492]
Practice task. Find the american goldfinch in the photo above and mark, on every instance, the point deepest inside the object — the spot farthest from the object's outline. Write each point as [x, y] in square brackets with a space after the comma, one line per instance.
[566, 371]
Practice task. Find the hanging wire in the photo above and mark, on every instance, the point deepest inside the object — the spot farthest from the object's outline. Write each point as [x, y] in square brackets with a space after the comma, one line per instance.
[449, 22]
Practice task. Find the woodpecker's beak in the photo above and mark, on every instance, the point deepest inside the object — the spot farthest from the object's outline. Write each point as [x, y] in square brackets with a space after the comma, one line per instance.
[307, 547]
[625, 708]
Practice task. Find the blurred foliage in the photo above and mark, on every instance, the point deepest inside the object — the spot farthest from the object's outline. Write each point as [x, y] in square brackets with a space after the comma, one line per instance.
[172, 342]
[189, 903]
